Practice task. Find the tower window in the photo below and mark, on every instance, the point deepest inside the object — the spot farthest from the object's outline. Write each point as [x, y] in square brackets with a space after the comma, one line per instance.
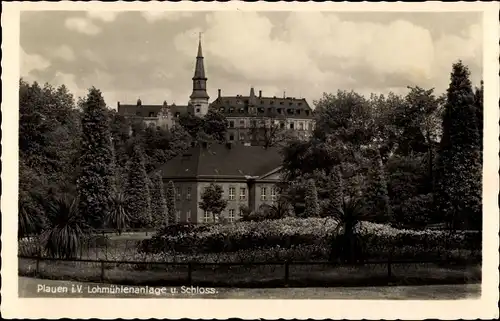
[197, 110]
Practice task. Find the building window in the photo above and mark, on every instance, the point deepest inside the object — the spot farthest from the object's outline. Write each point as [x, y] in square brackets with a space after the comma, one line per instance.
[231, 193]
[273, 193]
[242, 136]
[197, 110]
[231, 215]
[178, 215]
[206, 217]
[188, 216]
[243, 193]
[242, 123]
[188, 193]
[178, 193]
[282, 125]
[231, 137]
[308, 125]
[301, 126]
[291, 125]
[263, 192]
[231, 124]
[151, 114]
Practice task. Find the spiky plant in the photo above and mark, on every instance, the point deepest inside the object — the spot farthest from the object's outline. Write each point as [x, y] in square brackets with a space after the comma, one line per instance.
[66, 228]
[118, 218]
[346, 242]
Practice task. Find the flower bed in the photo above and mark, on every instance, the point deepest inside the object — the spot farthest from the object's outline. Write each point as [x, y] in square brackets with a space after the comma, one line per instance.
[289, 234]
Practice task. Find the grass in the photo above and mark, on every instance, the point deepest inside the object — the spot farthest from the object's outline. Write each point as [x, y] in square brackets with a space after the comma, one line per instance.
[252, 276]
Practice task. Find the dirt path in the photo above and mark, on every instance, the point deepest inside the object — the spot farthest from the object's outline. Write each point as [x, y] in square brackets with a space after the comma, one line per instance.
[31, 287]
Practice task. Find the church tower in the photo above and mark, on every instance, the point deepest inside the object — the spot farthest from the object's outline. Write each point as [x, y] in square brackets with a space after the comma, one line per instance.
[199, 98]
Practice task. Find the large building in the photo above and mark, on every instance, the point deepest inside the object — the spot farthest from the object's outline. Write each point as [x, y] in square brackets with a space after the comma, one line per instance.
[250, 118]
[247, 174]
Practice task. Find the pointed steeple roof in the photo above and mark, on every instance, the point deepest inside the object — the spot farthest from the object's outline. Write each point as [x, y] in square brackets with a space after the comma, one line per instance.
[199, 78]
[199, 71]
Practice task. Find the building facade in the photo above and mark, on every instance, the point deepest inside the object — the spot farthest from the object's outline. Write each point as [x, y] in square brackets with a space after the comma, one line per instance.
[251, 119]
[247, 174]
[258, 119]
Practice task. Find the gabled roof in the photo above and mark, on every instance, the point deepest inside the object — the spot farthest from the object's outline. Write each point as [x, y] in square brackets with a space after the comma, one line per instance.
[218, 160]
[265, 106]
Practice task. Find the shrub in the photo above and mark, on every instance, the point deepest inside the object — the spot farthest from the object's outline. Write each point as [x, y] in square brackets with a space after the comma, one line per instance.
[415, 212]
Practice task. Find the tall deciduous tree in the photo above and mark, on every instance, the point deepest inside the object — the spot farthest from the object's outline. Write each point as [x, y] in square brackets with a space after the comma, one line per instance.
[138, 190]
[95, 183]
[458, 179]
[170, 198]
[215, 125]
[212, 201]
[158, 201]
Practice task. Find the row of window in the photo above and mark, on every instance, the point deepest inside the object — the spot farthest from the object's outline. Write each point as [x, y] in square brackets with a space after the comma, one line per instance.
[262, 123]
[207, 216]
[232, 193]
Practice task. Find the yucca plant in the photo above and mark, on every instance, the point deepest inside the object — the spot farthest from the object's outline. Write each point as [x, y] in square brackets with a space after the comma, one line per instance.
[66, 228]
[118, 218]
[346, 242]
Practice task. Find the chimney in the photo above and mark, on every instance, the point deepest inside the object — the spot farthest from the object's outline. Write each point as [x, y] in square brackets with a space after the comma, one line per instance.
[219, 92]
[260, 93]
[229, 145]
[118, 104]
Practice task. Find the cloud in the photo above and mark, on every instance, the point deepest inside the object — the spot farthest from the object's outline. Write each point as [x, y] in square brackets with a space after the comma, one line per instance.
[64, 52]
[31, 62]
[82, 25]
[106, 16]
[153, 16]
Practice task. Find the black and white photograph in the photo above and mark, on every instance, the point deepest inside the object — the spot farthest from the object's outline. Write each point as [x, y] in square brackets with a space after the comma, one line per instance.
[254, 154]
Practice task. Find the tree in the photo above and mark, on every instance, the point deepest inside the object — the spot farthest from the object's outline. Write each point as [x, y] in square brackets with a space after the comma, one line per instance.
[138, 191]
[191, 123]
[336, 192]
[215, 125]
[458, 176]
[212, 201]
[270, 130]
[311, 200]
[158, 201]
[95, 183]
[376, 196]
[170, 201]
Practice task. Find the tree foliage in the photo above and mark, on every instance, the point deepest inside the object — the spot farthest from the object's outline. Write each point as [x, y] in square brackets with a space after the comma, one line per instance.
[138, 190]
[458, 179]
[170, 202]
[158, 201]
[95, 183]
[212, 201]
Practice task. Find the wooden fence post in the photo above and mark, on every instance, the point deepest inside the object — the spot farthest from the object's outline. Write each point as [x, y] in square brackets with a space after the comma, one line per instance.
[190, 271]
[102, 270]
[37, 266]
[389, 268]
[287, 272]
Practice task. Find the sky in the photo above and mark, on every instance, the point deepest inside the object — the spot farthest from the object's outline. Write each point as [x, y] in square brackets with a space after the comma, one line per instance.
[151, 54]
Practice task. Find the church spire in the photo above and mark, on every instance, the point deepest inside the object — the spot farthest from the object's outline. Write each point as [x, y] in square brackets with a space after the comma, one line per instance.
[199, 78]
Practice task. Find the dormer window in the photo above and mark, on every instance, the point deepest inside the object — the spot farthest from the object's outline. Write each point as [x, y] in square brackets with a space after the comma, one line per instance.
[279, 110]
[272, 102]
[242, 110]
[177, 114]
[151, 114]
[300, 104]
[221, 109]
[290, 103]
[298, 111]
[307, 112]
[281, 103]
[231, 109]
